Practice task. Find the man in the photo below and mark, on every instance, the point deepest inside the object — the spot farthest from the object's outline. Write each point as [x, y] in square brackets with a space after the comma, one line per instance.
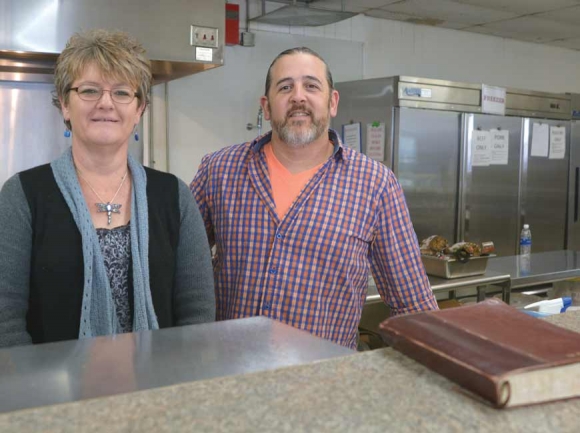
[296, 218]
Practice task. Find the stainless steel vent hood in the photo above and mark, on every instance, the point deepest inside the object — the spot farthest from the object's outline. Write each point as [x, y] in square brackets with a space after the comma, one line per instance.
[301, 13]
[33, 32]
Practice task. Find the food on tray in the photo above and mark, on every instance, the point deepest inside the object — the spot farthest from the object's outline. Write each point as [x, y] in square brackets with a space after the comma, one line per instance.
[487, 248]
[470, 248]
[462, 251]
[438, 246]
[463, 259]
[434, 245]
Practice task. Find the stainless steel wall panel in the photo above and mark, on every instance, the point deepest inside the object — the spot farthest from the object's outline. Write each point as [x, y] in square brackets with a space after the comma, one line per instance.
[490, 211]
[426, 162]
[31, 129]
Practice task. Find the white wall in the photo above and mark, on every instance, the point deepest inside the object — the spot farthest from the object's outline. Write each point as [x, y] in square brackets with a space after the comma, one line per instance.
[208, 111]
[398, 48]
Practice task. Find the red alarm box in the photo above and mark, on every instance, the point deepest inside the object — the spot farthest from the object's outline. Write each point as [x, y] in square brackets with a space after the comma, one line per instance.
[232, 24]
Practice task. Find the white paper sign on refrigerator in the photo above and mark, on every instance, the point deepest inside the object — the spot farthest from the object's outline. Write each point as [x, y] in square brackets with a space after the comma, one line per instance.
[493, 100]
[480, 149]
[499, 146]
[351, 136]
[376, 141]
[557, 142]
[540, 139]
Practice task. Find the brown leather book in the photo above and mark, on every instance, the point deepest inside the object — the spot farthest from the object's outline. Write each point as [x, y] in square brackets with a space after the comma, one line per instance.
[492, 349]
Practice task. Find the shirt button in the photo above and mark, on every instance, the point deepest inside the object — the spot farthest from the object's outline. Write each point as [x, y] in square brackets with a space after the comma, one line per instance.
[266, 306]
[273, 270]
[279, 236]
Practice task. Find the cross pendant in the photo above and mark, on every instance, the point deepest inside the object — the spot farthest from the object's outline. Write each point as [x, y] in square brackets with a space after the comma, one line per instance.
[110, 208]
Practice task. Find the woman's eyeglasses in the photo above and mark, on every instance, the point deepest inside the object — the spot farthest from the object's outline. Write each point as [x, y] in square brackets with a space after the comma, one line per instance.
[122, 95]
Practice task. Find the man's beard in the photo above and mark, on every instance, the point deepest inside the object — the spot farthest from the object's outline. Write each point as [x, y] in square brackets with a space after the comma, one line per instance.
[294, 134]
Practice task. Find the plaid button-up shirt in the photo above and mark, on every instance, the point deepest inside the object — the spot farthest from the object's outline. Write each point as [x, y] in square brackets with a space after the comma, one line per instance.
[310, 269]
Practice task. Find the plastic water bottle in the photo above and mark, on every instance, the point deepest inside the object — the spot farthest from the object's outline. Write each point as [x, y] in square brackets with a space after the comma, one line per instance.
[526, 241]
[525, 251]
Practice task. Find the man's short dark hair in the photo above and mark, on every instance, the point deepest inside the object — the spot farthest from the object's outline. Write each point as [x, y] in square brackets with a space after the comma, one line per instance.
[298, 50]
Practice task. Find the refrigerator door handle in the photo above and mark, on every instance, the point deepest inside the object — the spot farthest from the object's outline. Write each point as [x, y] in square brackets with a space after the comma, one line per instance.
[576, 180]
[467, 216]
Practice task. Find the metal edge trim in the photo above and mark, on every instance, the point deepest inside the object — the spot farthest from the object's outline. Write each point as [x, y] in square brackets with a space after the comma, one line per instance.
[39, 67]
[444, 83]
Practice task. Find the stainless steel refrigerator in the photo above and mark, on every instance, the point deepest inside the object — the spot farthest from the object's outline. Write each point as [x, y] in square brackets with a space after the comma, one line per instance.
[573, 232]
[429, 128]
[489, 195]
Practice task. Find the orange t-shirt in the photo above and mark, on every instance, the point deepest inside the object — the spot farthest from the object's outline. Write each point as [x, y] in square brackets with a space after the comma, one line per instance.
[285, 186]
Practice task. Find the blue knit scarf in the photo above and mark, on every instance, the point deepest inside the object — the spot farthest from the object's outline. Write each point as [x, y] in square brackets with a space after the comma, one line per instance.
[98, 315]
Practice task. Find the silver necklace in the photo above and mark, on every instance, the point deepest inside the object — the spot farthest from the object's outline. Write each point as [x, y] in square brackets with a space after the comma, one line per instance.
[108, 207]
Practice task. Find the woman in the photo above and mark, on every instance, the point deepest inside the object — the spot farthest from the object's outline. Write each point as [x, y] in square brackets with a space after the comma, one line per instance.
[94, 243]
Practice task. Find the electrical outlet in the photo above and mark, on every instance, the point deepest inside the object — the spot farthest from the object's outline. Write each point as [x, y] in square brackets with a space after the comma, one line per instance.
[204, 37]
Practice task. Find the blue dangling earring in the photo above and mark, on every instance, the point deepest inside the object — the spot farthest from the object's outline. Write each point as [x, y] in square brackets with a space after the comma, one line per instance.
[136, 136]
[67, 133]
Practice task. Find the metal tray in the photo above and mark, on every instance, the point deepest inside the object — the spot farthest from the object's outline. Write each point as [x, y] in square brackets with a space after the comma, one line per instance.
[452, 268]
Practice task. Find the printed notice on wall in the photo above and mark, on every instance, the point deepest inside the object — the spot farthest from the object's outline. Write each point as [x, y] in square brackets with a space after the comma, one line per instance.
[480, 149]
[557, 142]
[499, 147]
[351, 136]
[540, 138]
[376, 141]
[203, 54]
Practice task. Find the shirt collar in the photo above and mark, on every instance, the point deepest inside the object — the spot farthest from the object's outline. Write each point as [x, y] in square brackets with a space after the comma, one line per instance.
[259, 142]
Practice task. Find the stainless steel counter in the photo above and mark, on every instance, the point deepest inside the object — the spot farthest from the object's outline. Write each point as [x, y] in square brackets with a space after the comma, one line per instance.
[47, 374]
[480, 282]
[510, 272]
[543, 268]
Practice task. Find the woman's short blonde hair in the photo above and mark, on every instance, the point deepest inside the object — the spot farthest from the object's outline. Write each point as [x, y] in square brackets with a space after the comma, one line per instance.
[116, 54]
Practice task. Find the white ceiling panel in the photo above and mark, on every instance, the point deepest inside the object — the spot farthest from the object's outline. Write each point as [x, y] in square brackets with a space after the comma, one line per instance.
[569, 15]
[447, 10]
[381, 13]
[521, 7]
[481, 29]
[352, 4]
[534, 29]
[452, 25]
[573, 44]
[413, 19]
[333, 5]
[552, 22]
[369, 4]
[493, 32]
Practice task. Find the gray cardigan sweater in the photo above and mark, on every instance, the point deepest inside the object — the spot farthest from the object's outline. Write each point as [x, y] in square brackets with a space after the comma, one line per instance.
[194, 298]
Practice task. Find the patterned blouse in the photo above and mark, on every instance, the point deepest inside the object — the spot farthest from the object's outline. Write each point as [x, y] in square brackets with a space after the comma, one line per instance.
[116, 247]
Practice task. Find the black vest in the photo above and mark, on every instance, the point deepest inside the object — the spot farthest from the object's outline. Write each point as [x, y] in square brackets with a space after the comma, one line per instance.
[56, 267]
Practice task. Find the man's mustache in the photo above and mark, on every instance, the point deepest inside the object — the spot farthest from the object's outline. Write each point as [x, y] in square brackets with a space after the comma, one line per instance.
[298, 108]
